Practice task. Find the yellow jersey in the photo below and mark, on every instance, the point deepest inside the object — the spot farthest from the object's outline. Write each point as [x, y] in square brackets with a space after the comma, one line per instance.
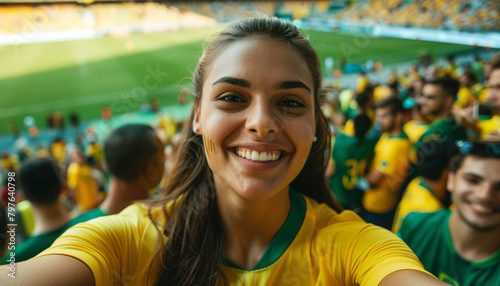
[392, 159]
[418, 197]
[315, 246]
[487, 126]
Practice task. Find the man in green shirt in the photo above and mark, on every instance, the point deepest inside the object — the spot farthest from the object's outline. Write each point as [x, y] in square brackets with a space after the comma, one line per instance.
[462, 247]
[41, 184]
[351, 157]
[437, 102]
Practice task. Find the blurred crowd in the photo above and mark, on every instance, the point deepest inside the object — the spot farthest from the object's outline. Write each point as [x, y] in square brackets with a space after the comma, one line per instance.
[468, 15]
[455, 14]
[400, 134]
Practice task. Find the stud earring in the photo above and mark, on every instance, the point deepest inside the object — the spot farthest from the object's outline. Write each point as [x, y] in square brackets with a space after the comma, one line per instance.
[315, 139]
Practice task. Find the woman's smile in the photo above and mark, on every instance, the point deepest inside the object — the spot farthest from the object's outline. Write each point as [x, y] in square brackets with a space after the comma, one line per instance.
[257, 104]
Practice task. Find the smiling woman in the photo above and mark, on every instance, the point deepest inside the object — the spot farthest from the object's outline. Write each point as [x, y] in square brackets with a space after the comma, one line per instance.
[247, 203]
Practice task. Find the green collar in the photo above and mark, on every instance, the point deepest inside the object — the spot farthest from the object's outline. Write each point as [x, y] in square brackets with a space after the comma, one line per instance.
[401, 135]
[425, 186]
[283, 238]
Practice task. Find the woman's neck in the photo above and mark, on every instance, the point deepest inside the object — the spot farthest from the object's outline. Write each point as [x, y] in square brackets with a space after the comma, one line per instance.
[249, 226]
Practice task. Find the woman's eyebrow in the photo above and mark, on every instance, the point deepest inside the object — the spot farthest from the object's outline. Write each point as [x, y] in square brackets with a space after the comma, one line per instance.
[232, 80]
[292, 84]
[289, 84]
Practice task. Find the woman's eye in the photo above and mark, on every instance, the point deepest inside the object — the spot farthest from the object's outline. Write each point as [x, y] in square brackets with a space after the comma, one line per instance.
[230, 98]
[291, 103]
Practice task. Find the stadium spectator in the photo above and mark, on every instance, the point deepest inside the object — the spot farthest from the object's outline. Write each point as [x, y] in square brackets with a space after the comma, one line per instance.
[469, 90]
[427, 192]
[436, 101]
[58, 150]
[364, 102]
[82, 185]
[135, 160]
[362, 82]
[389, 165]
[265, 218]
[462, 246]
[489, 127]
[351, 155]
[94, 152]
[419, 123]
[41, 184]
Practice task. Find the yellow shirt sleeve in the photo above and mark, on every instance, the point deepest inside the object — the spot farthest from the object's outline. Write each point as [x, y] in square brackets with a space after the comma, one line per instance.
[118, 249]
[369, 253]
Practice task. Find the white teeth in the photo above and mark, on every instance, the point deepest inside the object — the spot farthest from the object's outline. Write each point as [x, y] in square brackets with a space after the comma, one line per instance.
[481, 208]
[263, 156]
[256, 156]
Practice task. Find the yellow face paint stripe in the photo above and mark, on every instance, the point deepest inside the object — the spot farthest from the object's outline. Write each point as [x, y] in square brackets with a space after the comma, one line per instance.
[209, 145]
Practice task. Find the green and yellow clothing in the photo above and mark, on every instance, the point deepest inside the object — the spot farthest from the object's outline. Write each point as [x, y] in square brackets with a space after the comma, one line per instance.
[315, 246]
[349, 124]
[86, 189]
[465, 97]
[487, 126]
[26, 213]
[95, 151]
[86, 216]
[483, 94]
[392, 159]
[415, 130]
[33, 245]
[351, 156]
[445, 129]
[418, 197]
[362, 83]
[58, 150]
[428, 235]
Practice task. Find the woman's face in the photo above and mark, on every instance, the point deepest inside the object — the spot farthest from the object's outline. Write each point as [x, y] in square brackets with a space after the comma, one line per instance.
[256, 116]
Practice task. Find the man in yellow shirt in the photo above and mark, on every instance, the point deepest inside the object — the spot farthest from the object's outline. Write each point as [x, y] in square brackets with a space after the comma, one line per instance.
[427, 192]
[389, 166]
[469, 90]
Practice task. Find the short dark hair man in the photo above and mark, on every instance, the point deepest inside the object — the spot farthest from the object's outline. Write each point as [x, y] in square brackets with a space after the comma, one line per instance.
[351, 155]
[438, 96]
[390, 164]
[41, 184]
[135, 158]
[462, 247]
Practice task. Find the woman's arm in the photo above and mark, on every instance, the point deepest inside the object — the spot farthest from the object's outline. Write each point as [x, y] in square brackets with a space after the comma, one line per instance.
[410, 278]
[47, 270]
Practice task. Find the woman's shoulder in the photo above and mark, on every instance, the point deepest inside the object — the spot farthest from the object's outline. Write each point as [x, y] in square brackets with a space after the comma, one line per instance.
[325, 216]
[346, 224]
[144, 214]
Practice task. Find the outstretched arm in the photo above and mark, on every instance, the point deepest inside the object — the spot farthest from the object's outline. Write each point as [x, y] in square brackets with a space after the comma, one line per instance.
[47, 270]
[410, 278]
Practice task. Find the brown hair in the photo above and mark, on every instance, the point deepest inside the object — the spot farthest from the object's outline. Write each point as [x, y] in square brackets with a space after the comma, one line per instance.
[495, 61]
[192, 254]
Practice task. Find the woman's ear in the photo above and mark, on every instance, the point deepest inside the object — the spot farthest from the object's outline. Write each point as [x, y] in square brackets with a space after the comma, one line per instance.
[196, 120]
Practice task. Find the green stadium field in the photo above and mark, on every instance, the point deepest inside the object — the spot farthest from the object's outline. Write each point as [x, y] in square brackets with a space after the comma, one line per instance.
[124, 72]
